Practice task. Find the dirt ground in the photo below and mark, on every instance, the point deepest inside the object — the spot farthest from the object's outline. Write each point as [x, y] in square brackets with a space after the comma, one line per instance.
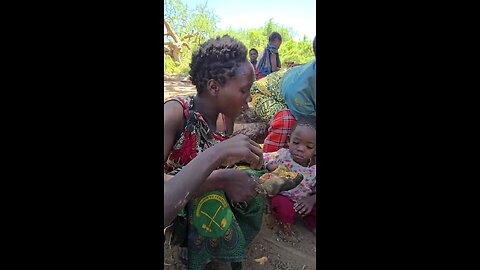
[177, 87]
[297, 252]
[283, 252]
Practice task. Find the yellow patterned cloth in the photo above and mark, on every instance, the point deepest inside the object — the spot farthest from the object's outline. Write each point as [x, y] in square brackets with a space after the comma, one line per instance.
[267, 99]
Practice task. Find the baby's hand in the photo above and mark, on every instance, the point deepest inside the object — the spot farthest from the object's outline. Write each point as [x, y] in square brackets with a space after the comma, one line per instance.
[305, 205]
[271, 167]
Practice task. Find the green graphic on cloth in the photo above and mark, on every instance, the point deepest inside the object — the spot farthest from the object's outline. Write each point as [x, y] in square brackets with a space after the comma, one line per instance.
[212, 215]
[225, 242]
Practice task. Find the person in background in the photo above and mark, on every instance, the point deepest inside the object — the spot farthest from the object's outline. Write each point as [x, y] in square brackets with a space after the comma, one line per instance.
[269, 59]
[253, 57]
[280, 99]
[283, 97]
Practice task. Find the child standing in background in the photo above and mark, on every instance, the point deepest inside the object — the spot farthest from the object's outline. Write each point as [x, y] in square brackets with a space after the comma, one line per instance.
[269, 59]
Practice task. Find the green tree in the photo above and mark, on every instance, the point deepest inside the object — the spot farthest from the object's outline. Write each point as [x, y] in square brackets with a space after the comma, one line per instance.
[201, 23]
[176, 14]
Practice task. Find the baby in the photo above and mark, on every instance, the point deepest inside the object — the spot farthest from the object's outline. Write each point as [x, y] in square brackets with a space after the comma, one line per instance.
[301, 199]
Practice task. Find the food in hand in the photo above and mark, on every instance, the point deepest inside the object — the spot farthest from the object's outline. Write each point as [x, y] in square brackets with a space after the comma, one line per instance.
[279, 180]
[283, 172]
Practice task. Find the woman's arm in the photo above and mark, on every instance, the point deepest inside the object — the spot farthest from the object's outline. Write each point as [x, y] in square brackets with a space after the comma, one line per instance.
[179, 189]
[197, 178]
[173, 123]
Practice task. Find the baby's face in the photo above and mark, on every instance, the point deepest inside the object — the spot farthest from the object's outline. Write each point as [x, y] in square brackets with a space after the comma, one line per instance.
[303, 144]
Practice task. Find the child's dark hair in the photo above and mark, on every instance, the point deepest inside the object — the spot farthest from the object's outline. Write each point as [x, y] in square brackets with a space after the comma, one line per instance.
[273, 36]
[253, 49]
[304, 122]
[315, 46]
[216, 59]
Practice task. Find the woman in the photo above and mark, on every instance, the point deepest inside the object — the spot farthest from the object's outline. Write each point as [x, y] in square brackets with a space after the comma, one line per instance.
[214, 229]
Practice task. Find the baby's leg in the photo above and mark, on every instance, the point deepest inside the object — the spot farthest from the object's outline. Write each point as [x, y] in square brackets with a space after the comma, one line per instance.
[282, 209]
[310, 220]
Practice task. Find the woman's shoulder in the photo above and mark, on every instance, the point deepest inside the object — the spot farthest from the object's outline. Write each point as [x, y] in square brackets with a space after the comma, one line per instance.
[185, 101]
[176, 109]
[178, 103]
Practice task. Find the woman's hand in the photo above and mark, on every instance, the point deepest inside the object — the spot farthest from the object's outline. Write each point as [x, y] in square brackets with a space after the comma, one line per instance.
[305, 206]
[240, 149]
[239, 186]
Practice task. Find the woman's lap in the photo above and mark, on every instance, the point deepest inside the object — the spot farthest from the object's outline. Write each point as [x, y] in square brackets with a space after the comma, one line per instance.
[245, 225]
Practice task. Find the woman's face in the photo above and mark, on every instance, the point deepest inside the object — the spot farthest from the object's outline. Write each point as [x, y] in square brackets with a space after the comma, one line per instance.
[302, 144]
[235, 93]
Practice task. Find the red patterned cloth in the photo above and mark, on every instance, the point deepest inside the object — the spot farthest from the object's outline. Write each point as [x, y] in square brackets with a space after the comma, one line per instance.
[278, 132]
[195, 138]
[260, 76]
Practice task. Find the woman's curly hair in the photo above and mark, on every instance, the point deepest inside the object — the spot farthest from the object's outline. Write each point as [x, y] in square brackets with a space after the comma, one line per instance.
[216, 59]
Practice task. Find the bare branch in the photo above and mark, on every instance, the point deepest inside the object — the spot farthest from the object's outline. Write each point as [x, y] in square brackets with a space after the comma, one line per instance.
[189, 36]
[169, 31]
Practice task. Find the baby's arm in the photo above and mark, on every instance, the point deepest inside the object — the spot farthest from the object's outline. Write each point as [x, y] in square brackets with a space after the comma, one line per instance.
[273, 159]
[272, 167]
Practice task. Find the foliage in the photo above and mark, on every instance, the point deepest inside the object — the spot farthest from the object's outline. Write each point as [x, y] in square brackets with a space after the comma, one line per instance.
[202, 22]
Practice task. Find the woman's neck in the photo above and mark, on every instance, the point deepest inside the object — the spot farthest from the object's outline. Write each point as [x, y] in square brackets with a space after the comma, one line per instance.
[209, 112]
